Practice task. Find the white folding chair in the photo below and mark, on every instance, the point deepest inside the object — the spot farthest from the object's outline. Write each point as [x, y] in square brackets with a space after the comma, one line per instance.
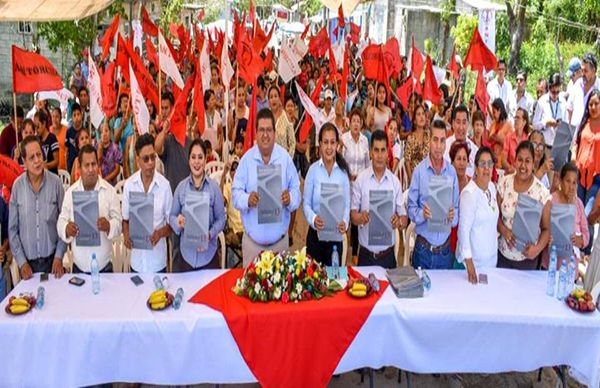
[403, 175]
[65, 178]
[344, 249]
[221, 238]
[120, 177]
[68, 259]
[117, 259]
[225, 151]
[409, 244]
[216, 156]
[119, 190]
[213, 167]
[15, 274]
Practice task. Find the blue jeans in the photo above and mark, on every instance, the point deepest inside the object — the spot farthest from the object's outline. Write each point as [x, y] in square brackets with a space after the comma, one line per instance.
[424, 258]
[588, 196]
[2, 284]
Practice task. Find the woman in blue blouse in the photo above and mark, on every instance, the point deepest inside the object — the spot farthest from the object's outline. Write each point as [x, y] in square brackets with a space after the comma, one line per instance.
[330, 169]
[192, 257]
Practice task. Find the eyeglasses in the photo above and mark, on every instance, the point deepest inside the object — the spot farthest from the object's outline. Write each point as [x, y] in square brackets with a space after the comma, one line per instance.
[148, 158]
[520, 80]
[485, 164]
[538, 146]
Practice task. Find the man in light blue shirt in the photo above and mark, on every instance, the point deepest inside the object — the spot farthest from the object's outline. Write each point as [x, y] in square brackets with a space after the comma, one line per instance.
[432, 249]
[259, 237]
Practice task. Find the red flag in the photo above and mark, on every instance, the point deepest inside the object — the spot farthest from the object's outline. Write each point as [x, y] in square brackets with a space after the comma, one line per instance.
[481, 94]
[33, 72]
[341, 21]
[219, 47]
[373, 63]
[354, 33]
[173, 30]
[344, 86]
[199, 40]
[391, 56]
[269, 61]
[479, 55]
[315, 96]
[122, 59]
[404, 91]
[250, 63]
[201, 15]
[109, 36]
[184, 41]
[107, 88]
[416, 61]
[453, 66]
[147, 86]
[9, 171]
[148, 25]
[318, 44]
[332, 64]
[306, 28]
[260, 38]
[282, 91]
[251, 123]
[178, 119]
[431, 90]
[252, 12]
[199, 99]
[151, 52]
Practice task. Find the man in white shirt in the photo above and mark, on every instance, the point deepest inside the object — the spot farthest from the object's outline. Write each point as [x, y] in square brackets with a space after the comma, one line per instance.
[328, 111]
[460, 126]
[574, 73]
[499, 87]
[550, 110]
[582, 89]
[109, 215]
[147, 180]
[520, 98]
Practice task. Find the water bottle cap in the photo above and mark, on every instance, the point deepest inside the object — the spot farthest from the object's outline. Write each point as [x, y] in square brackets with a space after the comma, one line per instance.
[335, 247]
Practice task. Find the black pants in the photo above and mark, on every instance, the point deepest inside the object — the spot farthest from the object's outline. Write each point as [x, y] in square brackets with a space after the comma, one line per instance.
[107, 268]
[354, 239]
[526, 264]
[386, 261]
[321, 250]
[43, 264]
[180, 265]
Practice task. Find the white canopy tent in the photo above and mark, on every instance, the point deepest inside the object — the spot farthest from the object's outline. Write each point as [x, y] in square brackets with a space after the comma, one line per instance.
[50, 10]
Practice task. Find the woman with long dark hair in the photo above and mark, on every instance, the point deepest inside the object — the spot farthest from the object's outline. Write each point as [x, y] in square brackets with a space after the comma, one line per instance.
[379, 114]
[213, 128]
[329, 172]
[499, 130]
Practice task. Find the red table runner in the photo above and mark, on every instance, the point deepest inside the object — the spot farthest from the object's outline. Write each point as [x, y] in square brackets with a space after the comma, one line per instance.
[289, 344]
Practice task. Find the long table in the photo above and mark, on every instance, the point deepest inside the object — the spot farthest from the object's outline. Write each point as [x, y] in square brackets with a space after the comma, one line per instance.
[79, 338]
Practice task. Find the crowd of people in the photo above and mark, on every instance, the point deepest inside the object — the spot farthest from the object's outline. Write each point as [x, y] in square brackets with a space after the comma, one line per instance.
[369, 142]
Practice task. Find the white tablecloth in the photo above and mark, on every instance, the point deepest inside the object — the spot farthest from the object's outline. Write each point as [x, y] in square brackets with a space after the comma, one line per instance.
[79, 338]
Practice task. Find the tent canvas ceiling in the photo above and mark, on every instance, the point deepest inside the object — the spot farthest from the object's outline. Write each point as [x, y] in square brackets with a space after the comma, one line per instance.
[50, 10]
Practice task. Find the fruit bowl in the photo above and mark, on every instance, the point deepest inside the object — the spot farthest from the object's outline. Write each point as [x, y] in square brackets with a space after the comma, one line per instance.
[359, 288]
[159, 300]
[21, 305]
[580, 301]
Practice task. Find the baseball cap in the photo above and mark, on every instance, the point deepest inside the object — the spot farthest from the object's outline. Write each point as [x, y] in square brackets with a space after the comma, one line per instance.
[574, 66]
[328, 94]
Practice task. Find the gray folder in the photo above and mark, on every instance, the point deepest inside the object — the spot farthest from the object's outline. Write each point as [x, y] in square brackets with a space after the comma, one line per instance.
[562, 227]
[381, 210]
[85, 214]
[526, 223]
[562, 144]
[439, 202]
[269, 192]
[195, 211]
[331, 208]
[141, 219]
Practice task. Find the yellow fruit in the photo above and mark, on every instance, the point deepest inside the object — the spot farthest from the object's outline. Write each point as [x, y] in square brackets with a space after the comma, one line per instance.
[158, 293]
[359, 294]
[158, 299]
[20, 302]
[157, 306]
[18, 308]
[359, 286]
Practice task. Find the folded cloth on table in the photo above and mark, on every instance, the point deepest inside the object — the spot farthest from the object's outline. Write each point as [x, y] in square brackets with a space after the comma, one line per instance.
[405, 282]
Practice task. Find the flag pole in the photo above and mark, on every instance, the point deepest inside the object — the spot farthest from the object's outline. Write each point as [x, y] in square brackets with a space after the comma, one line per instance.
[15, 122]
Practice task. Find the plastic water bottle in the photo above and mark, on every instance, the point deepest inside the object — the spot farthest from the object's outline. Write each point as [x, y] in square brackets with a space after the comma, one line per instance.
[425, 279]
[95, 269]
[551, 286]
[571, 274]
[39, 300]
[335, 263]
[178, 299]
[562, 280]
[158, 284]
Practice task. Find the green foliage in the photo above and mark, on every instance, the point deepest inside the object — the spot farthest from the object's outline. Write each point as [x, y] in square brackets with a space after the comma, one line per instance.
[586, 12]
[170, 10]
[462, 32]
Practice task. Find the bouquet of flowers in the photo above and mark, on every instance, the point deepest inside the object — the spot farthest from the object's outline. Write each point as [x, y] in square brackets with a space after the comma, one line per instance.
[285, 277]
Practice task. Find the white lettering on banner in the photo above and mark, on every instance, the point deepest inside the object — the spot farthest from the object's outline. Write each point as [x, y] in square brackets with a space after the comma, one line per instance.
[96, 113]
[288, 64]
[138, 104]
[299, 48]
[487, 28]
[205, 66]
[62, 96]
[167, 62]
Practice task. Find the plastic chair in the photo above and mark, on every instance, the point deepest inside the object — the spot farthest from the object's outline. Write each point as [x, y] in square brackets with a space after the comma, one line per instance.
[216, 156]
[68, 260]
[213, 167]
[409, 244]
[15, 274]
[65, 178]
[403, 175]
[119, 190]
[221, 238]
[120, 176]
[344, 257]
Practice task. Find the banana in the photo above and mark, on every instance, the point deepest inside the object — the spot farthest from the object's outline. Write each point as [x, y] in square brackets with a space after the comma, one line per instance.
[20, 302]
[158, 299]
[160, 305]
[18, 308]
[359, 287]
[358, 293]
[157, 293]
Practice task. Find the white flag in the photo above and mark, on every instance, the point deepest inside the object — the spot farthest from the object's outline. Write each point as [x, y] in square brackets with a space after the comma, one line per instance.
[205, 66]
[226, 68]
[62, 96]
[311, 109]
[137, 34]
[338, 53]
[96, 114]
[352, 97]
[167, 62]
[138, 104]
[288, 66]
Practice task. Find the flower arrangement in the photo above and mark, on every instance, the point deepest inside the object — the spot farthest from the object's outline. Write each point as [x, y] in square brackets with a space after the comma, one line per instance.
[288, 278]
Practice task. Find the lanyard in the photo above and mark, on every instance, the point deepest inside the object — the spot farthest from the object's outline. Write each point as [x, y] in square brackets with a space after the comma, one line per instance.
[554, 110]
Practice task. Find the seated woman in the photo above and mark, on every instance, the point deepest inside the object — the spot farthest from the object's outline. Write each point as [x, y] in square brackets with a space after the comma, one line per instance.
[330, 168]
[523, 181]
[478, 218]
[192, 258]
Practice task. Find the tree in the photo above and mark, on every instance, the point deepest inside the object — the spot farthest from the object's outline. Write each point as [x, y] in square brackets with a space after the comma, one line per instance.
[516, 28]
[463, 31]
[170, 11]
[448, 7]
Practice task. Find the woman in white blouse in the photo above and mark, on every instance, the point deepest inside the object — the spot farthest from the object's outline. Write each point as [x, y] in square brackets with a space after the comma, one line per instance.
[478, 218]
